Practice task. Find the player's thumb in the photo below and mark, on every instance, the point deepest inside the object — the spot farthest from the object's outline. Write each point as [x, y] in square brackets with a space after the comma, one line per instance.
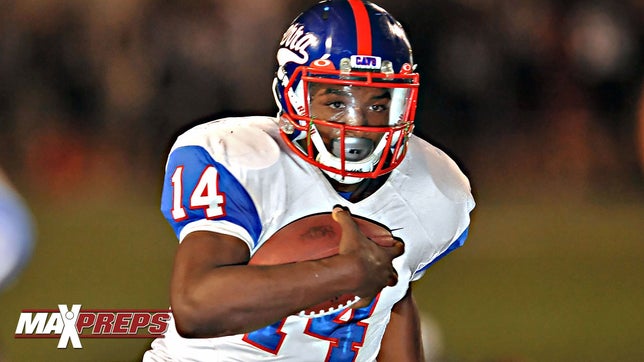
[342, 216]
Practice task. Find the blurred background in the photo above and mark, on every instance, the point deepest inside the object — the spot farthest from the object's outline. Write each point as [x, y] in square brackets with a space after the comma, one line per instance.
[540, 102]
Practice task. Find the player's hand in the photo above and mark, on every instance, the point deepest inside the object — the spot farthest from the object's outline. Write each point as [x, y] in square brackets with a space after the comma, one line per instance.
[374, 261]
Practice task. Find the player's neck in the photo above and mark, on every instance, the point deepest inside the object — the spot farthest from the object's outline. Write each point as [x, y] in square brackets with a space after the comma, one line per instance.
[361, 190]
[340, 187]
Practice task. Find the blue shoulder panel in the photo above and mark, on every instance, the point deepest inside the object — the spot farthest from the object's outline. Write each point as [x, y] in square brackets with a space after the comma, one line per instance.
[456, 244]
[238, 207]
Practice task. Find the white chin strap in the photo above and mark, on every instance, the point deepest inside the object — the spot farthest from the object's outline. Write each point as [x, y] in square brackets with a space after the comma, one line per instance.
[326, 158]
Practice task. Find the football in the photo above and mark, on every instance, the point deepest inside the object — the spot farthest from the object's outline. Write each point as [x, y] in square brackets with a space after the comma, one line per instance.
[314, 237]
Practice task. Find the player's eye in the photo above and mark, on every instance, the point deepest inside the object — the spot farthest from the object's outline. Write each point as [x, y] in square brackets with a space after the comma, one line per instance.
[379, 107]
[336, 105]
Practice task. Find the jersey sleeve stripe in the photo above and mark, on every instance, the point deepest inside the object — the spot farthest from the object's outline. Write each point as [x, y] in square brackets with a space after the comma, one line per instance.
[453, 246]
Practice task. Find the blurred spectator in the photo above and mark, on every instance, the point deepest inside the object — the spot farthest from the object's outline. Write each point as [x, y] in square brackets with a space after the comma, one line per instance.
[16, 233]
[522, 90]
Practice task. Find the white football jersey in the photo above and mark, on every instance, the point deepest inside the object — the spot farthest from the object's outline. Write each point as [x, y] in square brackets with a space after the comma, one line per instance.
[237, 176]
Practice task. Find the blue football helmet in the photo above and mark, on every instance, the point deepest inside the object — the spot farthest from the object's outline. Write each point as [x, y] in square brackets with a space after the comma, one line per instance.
[349, 44]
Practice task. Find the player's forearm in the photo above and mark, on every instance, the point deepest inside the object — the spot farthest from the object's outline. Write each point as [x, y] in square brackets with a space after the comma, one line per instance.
[238, 299]
[402, 341]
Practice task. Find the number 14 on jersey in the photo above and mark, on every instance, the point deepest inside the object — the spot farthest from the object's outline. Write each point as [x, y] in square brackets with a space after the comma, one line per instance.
[205, 195]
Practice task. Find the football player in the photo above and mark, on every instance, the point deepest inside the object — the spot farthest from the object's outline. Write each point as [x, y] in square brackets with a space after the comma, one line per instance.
[346, 87]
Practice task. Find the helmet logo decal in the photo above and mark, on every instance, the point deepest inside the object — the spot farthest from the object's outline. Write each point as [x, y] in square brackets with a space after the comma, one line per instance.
[294, 44]
[365, 62]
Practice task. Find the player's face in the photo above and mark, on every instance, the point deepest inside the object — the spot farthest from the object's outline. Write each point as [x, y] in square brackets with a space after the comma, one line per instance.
[350, 105]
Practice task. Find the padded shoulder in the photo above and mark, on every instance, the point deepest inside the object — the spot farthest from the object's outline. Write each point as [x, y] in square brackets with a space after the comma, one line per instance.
[240, 142]
[445, 174]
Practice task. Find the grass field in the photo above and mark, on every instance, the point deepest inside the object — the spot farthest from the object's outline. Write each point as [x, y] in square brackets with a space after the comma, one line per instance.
[536, 281]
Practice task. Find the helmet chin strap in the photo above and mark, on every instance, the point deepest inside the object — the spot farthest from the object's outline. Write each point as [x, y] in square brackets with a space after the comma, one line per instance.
[354, 148]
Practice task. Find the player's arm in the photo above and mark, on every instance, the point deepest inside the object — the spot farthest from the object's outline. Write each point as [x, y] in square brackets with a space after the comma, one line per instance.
[402, 341]
[214, 292]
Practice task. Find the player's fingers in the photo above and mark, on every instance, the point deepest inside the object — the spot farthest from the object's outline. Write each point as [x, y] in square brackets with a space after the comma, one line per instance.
[394, 278]
[343, 217]
[397, 249]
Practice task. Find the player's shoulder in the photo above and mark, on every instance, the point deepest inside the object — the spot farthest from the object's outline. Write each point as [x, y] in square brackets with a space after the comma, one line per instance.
[433, 166]
[239, 129]
[252, 141]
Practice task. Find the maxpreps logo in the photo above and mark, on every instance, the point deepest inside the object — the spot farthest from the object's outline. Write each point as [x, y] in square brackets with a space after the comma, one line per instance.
[70, 325]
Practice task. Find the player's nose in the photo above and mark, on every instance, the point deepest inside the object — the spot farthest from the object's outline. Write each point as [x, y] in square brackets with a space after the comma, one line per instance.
[356, 116]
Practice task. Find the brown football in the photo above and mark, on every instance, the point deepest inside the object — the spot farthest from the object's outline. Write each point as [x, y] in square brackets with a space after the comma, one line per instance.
[314, 237]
